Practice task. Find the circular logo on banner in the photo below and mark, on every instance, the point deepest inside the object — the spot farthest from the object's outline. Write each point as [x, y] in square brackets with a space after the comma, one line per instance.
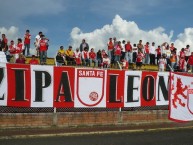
[93, 96]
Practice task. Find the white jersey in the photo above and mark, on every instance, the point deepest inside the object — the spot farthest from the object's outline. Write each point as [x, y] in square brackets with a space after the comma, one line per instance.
[37, 40]
[77, 54]
[106, 61]
[162, 63]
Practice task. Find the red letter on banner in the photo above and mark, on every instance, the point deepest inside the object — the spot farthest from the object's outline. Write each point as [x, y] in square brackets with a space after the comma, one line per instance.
[148, 88]
[115, 88]
[64, 87]
[19, 85]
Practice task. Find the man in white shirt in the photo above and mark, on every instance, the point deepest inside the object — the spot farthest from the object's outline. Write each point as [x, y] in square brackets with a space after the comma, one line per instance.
[187, 52]
[152, 53]
[37, 40]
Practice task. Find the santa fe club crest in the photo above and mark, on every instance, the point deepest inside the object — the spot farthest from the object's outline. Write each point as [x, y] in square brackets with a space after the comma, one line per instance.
[92, 92]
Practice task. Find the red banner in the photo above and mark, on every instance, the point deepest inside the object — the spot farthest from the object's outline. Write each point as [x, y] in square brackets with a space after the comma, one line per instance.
[66, 87]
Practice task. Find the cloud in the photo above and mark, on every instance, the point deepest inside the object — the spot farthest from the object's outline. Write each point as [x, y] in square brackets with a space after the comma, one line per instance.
[121, 29]
[11, 33]
[129, 30]
[185, 38]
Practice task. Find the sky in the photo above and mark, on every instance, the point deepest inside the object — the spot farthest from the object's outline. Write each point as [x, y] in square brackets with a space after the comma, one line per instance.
[67, 22]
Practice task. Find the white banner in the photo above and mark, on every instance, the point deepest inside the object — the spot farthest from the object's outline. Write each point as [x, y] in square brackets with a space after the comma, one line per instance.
[132, 96]
[162, 86]
[90, 88]
[181, 99]
[3, 84]
[42, 86]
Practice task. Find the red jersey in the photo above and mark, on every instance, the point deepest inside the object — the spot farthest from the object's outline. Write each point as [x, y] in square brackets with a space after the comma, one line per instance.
[20, 60]
[12, 49]
[92, 55]
[128, 47]
[182, 54]
[139, 57]
[4, 44]
[172, 48]
[5, 40]
[103, 53]
[118, 50]
[43, 45]
[27, 38]
[158, 50]
[190, 60]
[110, 45]
[85, 54]
[33, 61]
[147, 49]
[19, 48]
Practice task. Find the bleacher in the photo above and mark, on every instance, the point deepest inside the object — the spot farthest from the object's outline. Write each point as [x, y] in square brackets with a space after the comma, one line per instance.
[51, 61]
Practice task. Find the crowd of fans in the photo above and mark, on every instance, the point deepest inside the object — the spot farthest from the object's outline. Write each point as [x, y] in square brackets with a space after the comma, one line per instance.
[16, 53]
[117, 54]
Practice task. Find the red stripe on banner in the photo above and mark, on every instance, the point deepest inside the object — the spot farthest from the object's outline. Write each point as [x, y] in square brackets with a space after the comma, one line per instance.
[19, 85]
[64, 87]
[115, 88]
[148, 88]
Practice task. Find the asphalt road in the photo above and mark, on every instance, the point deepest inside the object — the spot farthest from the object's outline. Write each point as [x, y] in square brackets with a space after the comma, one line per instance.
[160, 137]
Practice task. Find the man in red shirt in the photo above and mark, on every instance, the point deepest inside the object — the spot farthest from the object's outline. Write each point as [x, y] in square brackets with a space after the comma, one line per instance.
[21, 59]
[110, 45]
[27, 38]
[128, 54]
[33, 60]
[139, 60]
[92, 57]
[4, 42]
[146, 51]
[43, 47]
[19, 48]
[117, 51]
[158, 53]
[190, 62]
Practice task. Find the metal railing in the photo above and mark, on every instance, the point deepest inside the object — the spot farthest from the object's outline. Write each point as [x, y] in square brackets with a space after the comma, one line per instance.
[6, 109]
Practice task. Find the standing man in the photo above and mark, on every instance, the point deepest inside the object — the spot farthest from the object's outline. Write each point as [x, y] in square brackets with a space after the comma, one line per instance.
[128, 54]
[187, 52]
[19, 48]
[37, 40]
[4, 43]
[83, 45]
[146, 51]
[152, 53]
[27, 38]
[110, 46]
[43, 47]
